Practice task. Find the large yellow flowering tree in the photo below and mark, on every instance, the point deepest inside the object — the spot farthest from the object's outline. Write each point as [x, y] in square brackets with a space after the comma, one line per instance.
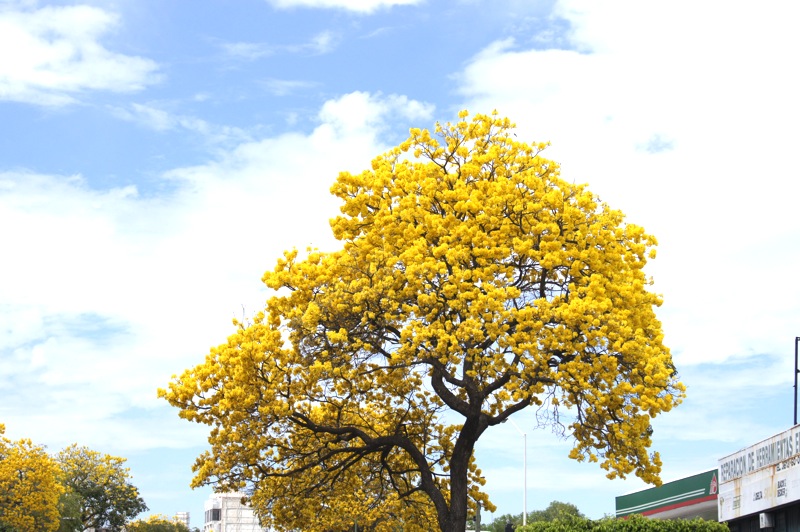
[472, 283]
[29, 487]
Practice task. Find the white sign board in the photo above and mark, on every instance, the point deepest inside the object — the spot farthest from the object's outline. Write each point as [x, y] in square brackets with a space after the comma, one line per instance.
[760, 477]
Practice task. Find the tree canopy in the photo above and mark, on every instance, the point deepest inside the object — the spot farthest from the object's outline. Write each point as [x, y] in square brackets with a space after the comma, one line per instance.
[99, 485]
[556, 510]
[29, 487]
[472, 283]
[156, 523]
[74, 490]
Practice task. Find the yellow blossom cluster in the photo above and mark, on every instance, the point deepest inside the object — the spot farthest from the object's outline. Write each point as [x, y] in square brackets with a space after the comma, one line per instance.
[29, 487]
[156, 523]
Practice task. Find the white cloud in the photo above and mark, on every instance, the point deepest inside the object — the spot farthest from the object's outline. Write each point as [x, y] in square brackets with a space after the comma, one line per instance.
[249, 51]
[358, 110]
[106, 293]
[57, 54]
[681, 125]
[360, 6]
[153, 116]
[285, 87]
[322, 43]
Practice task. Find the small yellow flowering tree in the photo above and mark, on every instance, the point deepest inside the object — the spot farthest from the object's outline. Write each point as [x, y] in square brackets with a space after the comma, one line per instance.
[29, 488]
[156, 523]
[472, 283]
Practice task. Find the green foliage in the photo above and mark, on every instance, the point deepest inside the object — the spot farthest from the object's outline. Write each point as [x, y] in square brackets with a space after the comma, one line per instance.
[635, 523]
[69, 506]
[555, 510]
[100, 485]
[499, 522]
[566, 524]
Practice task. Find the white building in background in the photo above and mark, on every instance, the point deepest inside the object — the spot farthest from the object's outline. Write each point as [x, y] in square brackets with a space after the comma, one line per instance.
[224, 512]
[183, 517]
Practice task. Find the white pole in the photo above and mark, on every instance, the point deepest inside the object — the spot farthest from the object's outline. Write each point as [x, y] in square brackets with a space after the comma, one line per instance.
[524, 473]
[525, 479]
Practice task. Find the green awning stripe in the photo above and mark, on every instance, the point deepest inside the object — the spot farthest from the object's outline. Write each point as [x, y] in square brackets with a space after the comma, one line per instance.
[662, 502]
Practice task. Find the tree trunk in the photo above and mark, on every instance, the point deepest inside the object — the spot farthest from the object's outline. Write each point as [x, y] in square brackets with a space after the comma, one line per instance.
[455, 519]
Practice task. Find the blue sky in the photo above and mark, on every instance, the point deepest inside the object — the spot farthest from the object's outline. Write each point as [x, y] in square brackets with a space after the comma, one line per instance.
[157, 157]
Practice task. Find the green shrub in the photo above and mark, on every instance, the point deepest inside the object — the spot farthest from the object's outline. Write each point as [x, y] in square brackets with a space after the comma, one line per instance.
[634, 523]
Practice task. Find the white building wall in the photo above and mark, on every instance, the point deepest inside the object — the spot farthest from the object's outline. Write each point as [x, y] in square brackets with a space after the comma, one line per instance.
[224, 512]
[183, 517]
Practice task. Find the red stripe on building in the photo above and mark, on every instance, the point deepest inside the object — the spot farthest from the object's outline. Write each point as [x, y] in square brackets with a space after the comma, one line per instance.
[680, 505]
